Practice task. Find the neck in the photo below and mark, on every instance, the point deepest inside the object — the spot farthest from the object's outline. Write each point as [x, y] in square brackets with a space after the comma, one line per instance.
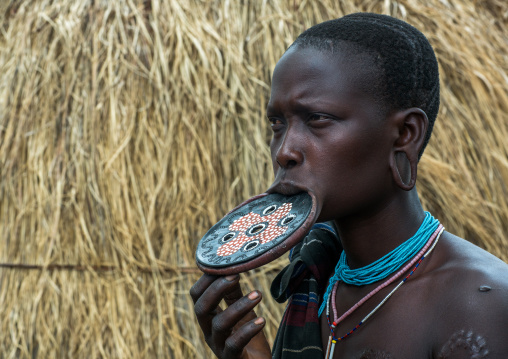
[368, 237]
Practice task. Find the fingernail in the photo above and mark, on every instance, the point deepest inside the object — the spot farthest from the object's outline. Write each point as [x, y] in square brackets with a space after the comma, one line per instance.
[259, 321]
[253, 295]
[231, 278]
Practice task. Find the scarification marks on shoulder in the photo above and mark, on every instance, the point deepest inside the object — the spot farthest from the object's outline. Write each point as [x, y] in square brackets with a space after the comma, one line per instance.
[464, 343]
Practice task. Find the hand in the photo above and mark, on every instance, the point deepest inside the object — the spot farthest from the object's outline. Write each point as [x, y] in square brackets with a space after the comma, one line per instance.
[234, 332]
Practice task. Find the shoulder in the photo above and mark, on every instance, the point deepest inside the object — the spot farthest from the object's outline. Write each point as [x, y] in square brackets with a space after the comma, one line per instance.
[469, 278]
[471, 287]
[470, 266]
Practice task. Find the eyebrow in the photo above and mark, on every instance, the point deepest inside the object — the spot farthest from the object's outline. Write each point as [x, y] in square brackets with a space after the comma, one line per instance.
[295, 105]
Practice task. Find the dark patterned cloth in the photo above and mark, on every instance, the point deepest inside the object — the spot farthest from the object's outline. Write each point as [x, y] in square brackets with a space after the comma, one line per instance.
[302, 283]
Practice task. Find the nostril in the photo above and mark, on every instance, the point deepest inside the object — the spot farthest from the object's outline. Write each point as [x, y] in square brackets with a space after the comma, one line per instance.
[291, 163]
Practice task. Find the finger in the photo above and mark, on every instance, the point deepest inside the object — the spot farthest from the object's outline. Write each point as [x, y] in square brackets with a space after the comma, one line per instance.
[235, 344]
[234, 316]
[206, 305]
[200, 286]
[234, 294]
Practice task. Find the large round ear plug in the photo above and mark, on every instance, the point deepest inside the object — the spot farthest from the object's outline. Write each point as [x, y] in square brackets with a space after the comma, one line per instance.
[256, 232]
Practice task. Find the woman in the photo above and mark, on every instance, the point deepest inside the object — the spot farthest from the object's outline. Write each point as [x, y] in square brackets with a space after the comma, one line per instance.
[352, 107]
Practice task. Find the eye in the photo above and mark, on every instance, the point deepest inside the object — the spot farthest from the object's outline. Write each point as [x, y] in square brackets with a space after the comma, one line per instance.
[319, 117]
[275, 123]
[319, 120]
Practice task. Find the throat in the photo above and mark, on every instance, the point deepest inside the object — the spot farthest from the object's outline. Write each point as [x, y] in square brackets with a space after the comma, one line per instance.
[369, 237]
[393, 260]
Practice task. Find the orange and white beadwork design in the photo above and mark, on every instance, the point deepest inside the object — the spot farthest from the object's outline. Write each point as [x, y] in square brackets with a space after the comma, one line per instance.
[268, 231]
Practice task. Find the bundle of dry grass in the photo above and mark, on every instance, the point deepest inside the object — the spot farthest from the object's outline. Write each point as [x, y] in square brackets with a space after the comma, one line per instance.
[129, 127]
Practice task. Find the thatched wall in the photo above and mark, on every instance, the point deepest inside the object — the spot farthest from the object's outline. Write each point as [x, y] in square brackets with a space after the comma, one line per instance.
[129, 127]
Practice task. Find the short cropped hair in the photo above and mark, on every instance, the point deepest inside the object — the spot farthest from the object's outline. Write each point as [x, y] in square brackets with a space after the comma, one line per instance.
[409, 75]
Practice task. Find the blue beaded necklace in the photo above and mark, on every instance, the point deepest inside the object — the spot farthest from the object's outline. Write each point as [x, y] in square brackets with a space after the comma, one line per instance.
[385, 265]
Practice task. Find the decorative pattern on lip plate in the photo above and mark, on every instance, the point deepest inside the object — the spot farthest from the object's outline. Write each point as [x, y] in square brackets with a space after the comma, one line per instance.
[253, 229]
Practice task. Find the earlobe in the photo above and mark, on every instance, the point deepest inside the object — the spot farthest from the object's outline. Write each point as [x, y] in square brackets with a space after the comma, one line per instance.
[403, 170]
[412, 125]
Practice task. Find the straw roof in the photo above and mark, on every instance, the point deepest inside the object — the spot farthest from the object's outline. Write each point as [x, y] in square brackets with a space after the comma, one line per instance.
[129, 127]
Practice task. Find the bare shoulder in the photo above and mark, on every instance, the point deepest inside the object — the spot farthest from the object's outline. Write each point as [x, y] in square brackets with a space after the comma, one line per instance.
[460, 257]
[471, 287]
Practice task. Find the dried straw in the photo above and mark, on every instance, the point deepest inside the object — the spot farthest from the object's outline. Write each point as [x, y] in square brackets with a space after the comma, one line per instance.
[129, 127]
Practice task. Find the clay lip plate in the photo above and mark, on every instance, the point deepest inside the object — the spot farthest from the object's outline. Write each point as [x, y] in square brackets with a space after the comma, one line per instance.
[256, 232]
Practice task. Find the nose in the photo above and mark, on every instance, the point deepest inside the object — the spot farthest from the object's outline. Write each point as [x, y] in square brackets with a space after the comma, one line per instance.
[289, 153]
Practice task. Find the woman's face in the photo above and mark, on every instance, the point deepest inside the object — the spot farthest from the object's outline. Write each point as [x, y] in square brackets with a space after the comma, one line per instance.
[329, 132]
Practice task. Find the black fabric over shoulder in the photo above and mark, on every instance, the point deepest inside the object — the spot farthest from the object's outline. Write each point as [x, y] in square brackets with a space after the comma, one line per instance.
[302, 283]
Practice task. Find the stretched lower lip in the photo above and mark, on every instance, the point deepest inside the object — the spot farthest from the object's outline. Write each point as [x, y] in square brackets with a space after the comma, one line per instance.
[286, 188]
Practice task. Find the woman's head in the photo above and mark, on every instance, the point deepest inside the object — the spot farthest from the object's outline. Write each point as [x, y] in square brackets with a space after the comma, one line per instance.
[348, 107]
[405, 62]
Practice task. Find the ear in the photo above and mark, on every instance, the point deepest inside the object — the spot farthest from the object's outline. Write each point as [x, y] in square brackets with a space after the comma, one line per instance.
[412, 126]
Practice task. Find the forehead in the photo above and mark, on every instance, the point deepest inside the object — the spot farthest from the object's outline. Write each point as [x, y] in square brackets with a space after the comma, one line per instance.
[306, 71]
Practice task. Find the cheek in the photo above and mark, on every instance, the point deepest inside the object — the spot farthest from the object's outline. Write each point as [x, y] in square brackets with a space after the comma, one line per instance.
[274, 145]
[368, 151]
[275, 165]
[272, 154]
[358, 169]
